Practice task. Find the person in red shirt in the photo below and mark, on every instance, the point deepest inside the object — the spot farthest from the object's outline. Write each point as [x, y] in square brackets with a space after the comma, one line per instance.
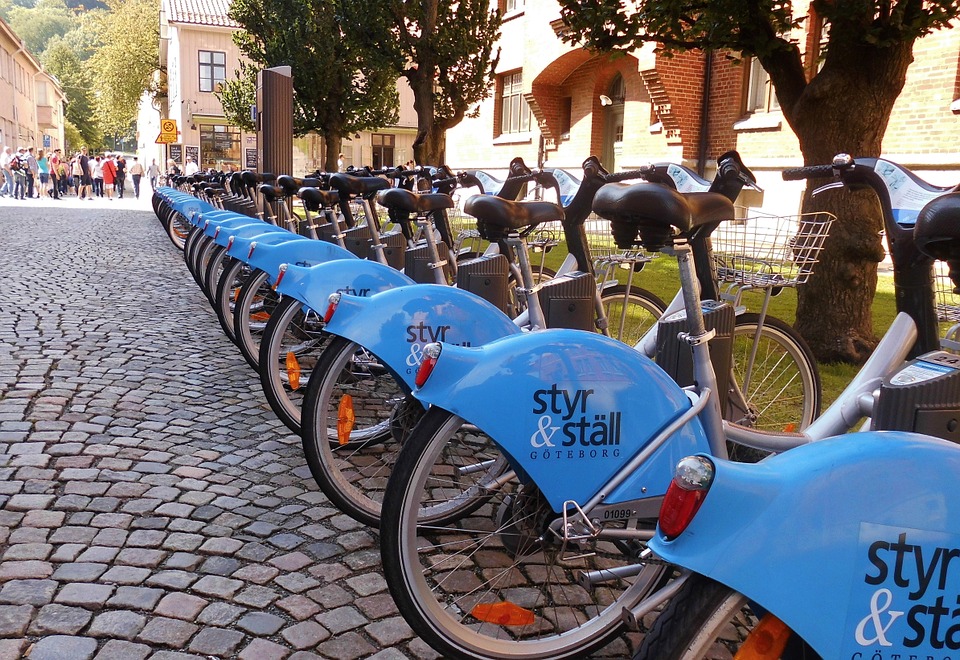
[109, 176]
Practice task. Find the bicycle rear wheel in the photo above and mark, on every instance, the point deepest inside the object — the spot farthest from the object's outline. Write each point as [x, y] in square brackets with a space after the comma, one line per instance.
[473, 568]
[352, 464]
[780, 390]
[251, 312]
[629, 316]
[290, 348]
[707, 620]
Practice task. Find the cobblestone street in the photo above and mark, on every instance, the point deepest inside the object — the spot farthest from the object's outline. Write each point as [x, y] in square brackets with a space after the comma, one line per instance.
[151, 504]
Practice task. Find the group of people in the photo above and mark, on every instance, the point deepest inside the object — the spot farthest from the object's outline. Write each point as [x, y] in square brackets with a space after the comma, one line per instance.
[32, 175]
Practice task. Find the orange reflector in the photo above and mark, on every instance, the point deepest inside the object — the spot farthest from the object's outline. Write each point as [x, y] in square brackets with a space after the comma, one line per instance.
[767, 640]
[503, 614]
[345, 419]
[260, 316]
[236, 294]
[293, 371]
[790, 428]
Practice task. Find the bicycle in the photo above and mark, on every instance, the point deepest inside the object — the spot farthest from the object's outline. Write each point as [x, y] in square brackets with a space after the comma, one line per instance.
[357, 415]
[516, 518]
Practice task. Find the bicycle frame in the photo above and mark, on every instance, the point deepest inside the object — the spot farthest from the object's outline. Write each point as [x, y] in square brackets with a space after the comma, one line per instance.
[852, 554]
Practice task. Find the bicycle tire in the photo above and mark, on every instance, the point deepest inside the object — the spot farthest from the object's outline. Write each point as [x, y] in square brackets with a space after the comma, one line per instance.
[251, 312]
[784, 388]
[353, 474]
[212, 272]
[630, 316]
[178, 229]
[228, 287]
[706, 619]
[290, 330]
[439, 570]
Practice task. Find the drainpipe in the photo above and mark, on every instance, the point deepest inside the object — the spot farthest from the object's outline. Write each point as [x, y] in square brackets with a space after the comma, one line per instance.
[704, 141]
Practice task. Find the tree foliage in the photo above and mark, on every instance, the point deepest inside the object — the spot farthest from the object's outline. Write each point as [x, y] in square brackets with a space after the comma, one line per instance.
[39, 24]
[340, 88]
[444, 48]
[844, 106]
[238, 94]
[62, 62]
[125, 62]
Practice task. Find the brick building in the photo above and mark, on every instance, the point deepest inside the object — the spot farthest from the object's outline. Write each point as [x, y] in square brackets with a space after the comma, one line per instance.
[555, 104]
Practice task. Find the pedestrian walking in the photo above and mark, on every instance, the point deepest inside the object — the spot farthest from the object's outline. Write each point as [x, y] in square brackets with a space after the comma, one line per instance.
[109, 170]
[96, 172]
[153, 171]
[32, 172]
[121, 164]
[43, 165]
[56, 165]
[136, 173]
[18, 164]
[85, 185]
[7, 188]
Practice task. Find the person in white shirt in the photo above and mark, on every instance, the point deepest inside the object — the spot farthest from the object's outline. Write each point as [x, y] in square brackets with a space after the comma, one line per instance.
[190, 167]
[7, 188]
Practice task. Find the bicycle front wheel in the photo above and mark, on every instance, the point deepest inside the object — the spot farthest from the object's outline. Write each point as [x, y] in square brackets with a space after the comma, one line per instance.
[779, 388]
[630, 315]
[473, 566]
[290, 347]
[707, 620]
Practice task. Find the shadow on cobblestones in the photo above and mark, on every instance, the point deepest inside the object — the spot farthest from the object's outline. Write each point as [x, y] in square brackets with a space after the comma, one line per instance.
[151, 505]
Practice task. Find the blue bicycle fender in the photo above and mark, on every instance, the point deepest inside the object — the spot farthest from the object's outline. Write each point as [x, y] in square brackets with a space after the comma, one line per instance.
[853, 542]
[396, 324]
[190, 206]
[569, 408]
[312, 286]
[305, 252]
[252, 227]
[240, 248]
[212, 223]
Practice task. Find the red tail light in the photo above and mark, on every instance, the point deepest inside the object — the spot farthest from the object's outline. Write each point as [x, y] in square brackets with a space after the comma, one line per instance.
[431, 352]
[253, 246]
[230, 242]
[332, 301]
[691, 481]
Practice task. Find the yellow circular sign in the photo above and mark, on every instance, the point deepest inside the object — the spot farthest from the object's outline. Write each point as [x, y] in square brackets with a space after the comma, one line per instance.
[168, 126]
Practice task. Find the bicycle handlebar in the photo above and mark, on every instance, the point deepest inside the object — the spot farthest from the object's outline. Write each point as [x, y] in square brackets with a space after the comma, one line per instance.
[808, 172]
[641, 173]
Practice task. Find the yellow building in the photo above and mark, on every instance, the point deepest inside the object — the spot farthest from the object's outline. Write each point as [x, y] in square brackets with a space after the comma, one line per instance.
[197, 49]
[31, 101]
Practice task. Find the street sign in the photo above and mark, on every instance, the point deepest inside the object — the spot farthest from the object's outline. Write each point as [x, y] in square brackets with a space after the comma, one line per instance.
[168, 131]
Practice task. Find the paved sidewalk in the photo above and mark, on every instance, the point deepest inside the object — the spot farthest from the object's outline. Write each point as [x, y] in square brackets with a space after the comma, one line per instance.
[151, 505]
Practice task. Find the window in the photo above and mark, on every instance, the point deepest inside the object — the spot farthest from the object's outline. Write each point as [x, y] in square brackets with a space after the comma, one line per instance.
[566, 116]
[760, 94]
[219, 146]
[213, 69]
[382, 150]
[514, 111]
[508, 6]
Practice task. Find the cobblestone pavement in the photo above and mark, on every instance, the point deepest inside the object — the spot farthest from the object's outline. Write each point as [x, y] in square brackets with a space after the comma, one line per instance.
[151, 505]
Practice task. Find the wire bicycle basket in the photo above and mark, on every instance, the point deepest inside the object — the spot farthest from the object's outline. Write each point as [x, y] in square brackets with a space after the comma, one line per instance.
[770, 251]
[604, 251]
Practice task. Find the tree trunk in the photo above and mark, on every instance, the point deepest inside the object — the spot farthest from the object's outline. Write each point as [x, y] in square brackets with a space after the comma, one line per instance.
[331, 147]
[845, 109]
[429, 144]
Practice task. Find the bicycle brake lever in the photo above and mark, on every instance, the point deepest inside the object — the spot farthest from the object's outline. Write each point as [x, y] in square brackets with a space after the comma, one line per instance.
[752, 184]
[827, 186]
